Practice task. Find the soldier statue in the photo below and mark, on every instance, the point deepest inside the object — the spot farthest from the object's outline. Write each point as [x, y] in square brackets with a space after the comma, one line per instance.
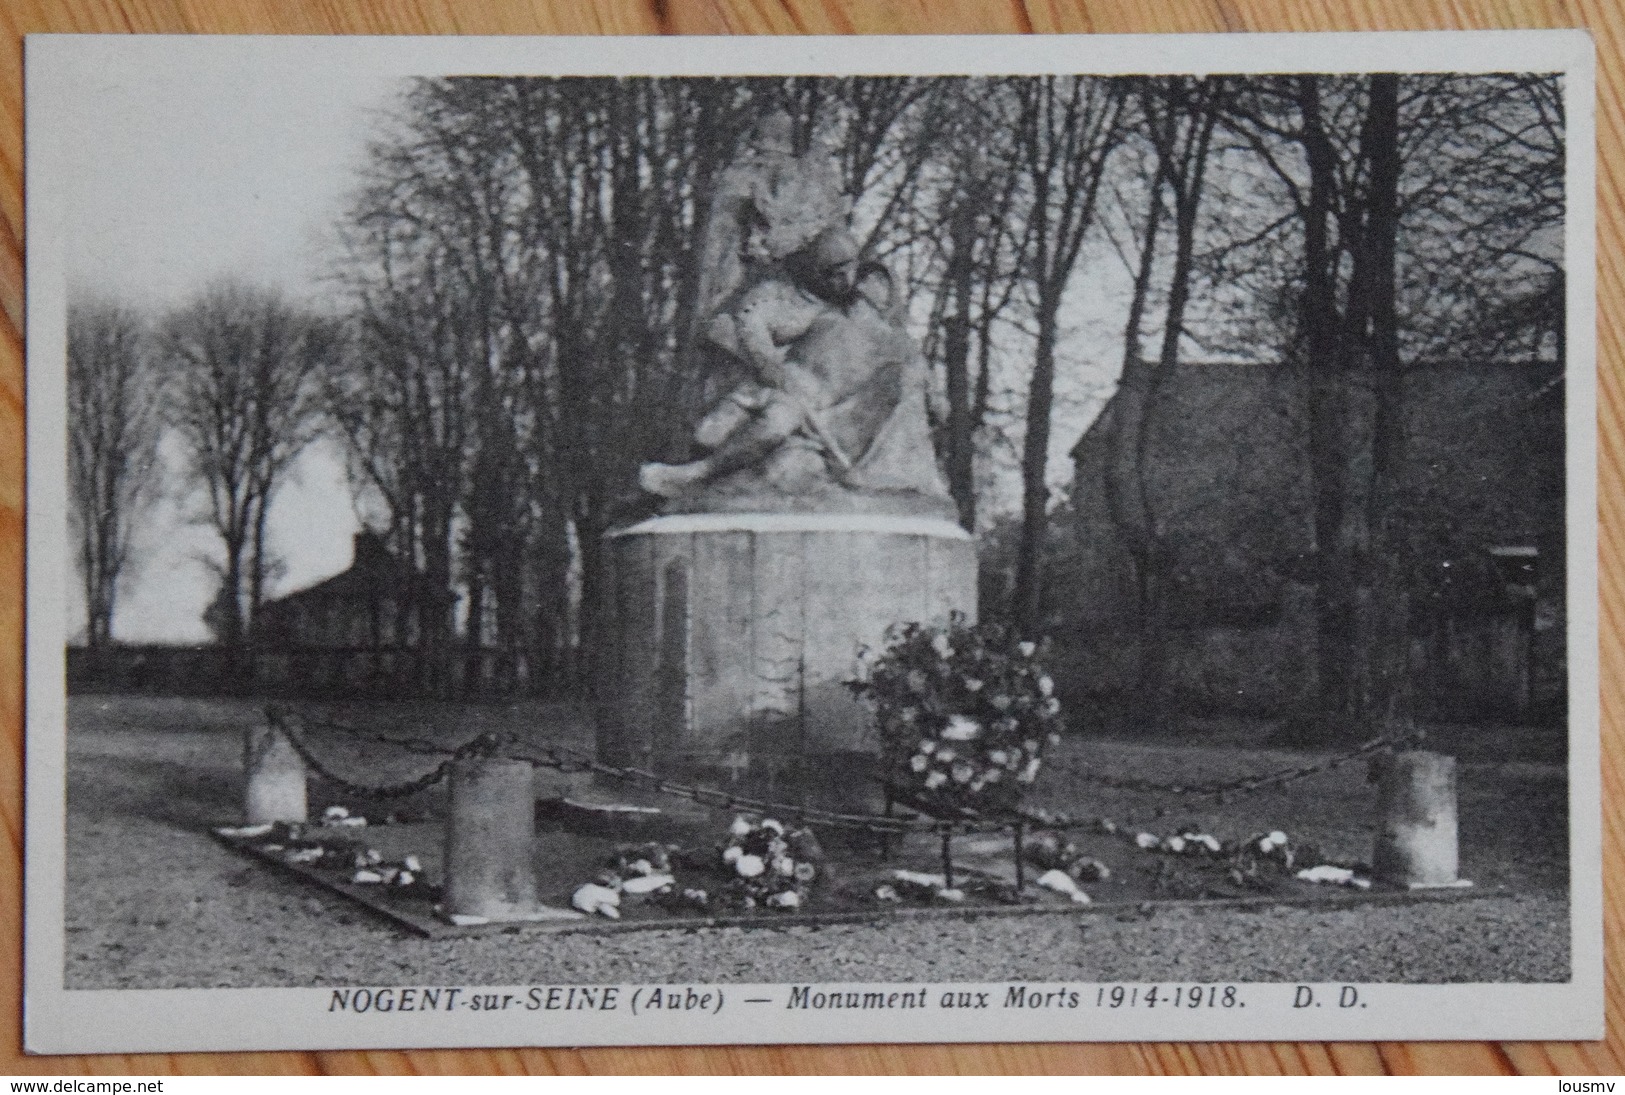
[828, 411]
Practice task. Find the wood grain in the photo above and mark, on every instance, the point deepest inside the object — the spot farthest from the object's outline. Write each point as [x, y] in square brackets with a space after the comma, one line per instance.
[1604, 18]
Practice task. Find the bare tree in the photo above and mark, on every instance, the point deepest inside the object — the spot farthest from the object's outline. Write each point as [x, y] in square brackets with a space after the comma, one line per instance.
[981, 250]
[113, 432]
[520, 259]
[1356, 410]
[1384, 700]
[1066, 128]
[1420, 221]
[1178, 115]
[241, 392]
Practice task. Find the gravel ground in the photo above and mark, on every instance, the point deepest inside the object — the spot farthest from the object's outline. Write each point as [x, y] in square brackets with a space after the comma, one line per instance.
[153, 902]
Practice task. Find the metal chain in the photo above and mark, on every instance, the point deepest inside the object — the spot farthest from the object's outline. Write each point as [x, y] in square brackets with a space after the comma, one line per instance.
[278, 714]
[1244, 785]
[571, 761]
[288, 726]
[566, 760]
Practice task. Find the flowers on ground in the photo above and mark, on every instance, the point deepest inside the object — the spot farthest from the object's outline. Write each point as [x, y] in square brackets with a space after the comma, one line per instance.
[1050, 851]
[769, 864]
[1331, 874]
[762, 865]
[333, 846]
[631, 870]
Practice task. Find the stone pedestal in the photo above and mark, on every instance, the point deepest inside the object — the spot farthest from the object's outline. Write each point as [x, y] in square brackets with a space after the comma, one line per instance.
[274, 776]
[736, 633]
[490, 833]
[1416, 821]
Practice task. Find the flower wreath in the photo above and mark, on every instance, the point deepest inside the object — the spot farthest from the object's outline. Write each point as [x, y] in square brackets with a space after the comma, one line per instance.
[965, 712]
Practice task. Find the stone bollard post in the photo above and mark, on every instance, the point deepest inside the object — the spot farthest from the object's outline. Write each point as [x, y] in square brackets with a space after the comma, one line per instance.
[490, 836]
[275, 776]
[1416, 843]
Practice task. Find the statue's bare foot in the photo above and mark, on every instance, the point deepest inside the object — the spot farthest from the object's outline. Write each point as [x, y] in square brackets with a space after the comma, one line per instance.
[670, 480]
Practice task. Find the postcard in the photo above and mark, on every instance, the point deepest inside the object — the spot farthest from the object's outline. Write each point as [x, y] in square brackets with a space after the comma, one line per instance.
[676, 541]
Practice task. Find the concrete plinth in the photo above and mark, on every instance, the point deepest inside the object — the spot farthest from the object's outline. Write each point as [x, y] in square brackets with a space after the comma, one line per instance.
[737, 633]
[490, 839]
[274, 777]
[1416, 844]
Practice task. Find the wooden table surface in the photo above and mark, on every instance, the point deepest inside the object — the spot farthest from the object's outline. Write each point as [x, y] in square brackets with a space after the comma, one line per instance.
[1605, 19]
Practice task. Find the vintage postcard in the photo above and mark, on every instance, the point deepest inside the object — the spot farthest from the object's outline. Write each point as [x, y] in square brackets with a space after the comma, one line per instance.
[631, 541]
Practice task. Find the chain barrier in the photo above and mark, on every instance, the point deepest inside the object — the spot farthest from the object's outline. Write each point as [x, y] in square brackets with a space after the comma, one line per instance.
[1244, 785]
[483, 745]
[567, 760]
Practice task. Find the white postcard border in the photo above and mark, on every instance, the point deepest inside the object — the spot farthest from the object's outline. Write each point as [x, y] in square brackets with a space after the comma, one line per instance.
[63, 1021]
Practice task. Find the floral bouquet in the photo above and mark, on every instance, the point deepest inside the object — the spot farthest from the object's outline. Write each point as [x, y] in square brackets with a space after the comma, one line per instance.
[770, 865]
[964, 711]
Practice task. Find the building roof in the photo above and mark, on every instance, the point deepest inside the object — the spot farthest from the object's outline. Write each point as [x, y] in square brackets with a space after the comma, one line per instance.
[1225, 390]
[1230, 483]
[372, 565]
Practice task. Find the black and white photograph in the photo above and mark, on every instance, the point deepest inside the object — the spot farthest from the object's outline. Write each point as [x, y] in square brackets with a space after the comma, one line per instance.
[564, 542]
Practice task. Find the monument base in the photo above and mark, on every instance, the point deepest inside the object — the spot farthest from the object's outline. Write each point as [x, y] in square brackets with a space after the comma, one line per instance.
[737, 634]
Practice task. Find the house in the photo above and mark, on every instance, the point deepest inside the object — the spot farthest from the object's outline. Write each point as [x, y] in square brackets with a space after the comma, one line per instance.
[356, 632]
[1229, 486]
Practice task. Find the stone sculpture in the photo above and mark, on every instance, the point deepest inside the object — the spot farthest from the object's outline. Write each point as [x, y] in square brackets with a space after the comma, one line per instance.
[813, 519]
[828, 410]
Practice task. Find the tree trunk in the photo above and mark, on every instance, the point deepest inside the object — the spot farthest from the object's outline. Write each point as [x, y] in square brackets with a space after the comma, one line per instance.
[474, 639]
[256, 566]
[1182, 166]
[956, 364]
[438, 628]
[1027, 594]
[100, 577]
[1188, 199]
[1384, 701]
[1320, 323]
[551, 560]
[1126, 478]
[1067, 136]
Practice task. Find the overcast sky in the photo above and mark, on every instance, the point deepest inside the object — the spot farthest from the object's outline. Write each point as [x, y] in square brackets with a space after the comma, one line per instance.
[228, 160]
[194, 171]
